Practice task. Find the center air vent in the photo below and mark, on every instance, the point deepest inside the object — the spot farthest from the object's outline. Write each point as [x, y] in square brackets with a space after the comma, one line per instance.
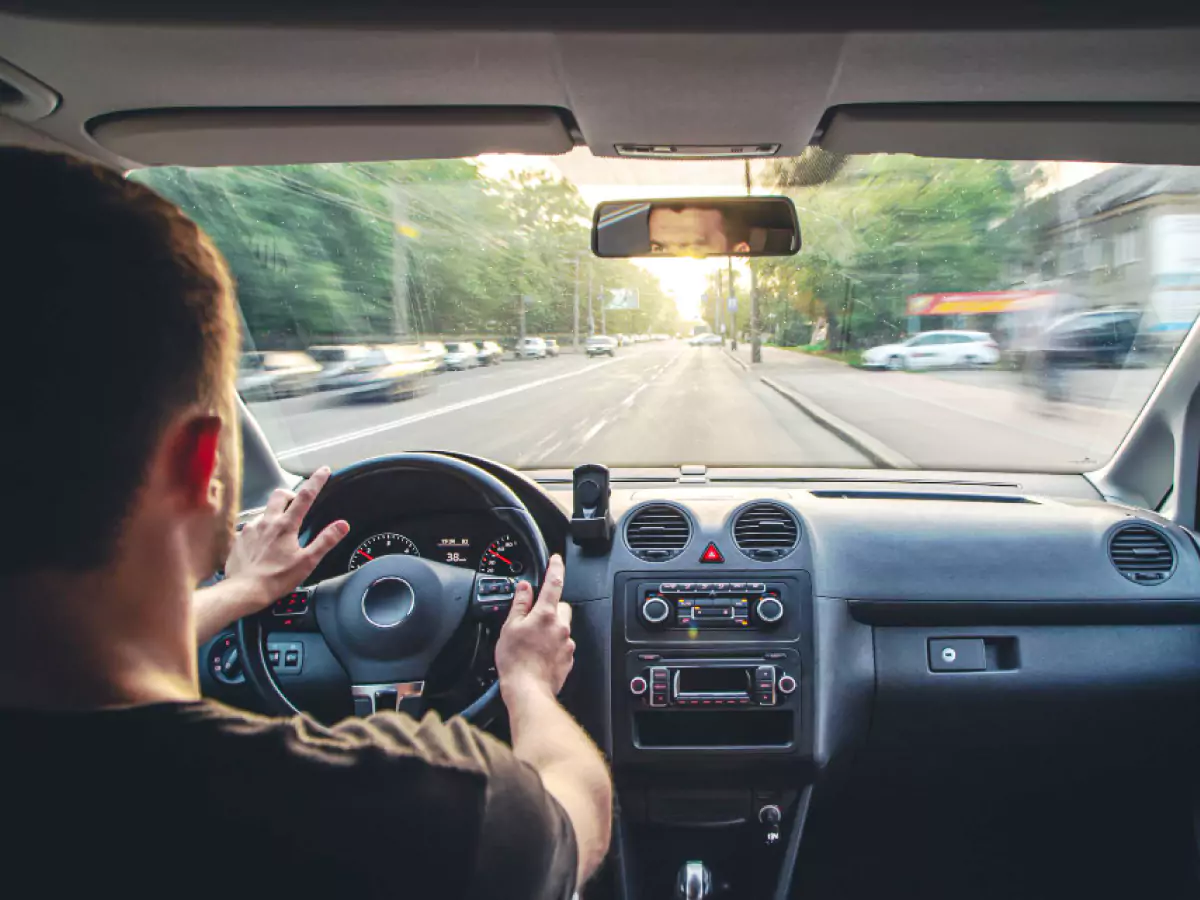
[1142, 554]
[766, 531]
[657, 532]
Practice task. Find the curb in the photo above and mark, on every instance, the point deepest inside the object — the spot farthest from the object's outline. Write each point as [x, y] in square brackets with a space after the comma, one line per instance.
[745, 366]
[875, 450]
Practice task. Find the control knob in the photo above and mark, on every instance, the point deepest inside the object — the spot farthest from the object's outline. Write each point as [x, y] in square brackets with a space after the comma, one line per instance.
[770, 815]
[769, 609]
[637, 685]
[655, 610]
[786, 684]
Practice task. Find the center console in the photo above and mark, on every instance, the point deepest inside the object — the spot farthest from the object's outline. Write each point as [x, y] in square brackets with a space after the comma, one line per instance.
[712, 735]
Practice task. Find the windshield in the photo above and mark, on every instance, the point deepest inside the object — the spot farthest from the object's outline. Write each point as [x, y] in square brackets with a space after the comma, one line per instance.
[951, 314]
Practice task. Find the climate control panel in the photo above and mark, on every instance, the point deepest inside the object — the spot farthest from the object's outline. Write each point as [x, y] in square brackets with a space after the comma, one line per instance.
[704, 605]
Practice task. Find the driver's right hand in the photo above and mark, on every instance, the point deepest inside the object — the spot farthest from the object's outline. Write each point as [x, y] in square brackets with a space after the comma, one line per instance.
[535, 651]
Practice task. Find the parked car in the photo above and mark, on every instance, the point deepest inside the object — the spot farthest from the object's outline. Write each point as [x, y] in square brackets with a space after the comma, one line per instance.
[551, 347]
[273, 374]
[707, 339]
[490, 354]
[935, 349]
[601, 345]
[623, 340]
[335, 360]
[436, 351]
[389, 372]
[461, 355]
[1101, 337]
[531, 348]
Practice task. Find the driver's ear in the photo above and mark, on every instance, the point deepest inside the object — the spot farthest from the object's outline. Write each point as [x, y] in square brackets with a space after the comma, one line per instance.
[189, 461]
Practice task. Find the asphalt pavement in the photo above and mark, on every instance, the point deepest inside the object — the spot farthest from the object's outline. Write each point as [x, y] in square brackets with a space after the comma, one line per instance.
[654, 404]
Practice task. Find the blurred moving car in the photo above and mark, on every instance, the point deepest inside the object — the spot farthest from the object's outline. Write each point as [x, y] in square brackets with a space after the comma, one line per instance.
[531, 348]
[272, 374]
[461, 355]
[436, 351]
[389, 372]
[601, 345]
[705, 340]
[935, 349]
[490, 354]
[335, 360]
[1101, 337]
[551, 347]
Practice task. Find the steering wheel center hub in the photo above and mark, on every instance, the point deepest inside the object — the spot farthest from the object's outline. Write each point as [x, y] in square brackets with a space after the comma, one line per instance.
[388, 601]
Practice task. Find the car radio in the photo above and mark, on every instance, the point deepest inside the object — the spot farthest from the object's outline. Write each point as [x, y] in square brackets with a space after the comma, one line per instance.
[712, 684]
[711, 605]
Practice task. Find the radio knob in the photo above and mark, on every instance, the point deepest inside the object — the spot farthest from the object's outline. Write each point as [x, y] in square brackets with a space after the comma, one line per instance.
[655, 610]
[786, 684]
[769, 609]
[637, 685]
[770, 815]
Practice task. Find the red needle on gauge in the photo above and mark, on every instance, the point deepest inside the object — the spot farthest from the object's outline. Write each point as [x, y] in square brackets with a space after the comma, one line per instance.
[366, 554]
[499, 557]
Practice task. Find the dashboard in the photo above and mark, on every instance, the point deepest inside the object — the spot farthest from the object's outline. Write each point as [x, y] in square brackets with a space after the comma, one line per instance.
[744, 645]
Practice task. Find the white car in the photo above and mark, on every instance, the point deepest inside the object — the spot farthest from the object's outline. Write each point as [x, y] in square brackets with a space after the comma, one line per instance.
[935, 349]
[461, 355]
[531, 348]
[707, 339]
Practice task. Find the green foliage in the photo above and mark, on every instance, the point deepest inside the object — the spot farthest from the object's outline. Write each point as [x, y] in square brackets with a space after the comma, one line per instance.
[321, 252]
[885, 227]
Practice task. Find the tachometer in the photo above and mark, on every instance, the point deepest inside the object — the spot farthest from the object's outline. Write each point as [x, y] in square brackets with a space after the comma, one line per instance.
[377, 545]
[504, 556]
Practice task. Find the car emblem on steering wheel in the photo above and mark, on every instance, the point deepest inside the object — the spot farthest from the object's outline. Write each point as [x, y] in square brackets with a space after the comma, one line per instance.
[388, 601]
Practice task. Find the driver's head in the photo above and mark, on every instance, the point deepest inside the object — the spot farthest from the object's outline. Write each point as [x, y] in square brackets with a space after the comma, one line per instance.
[118, 399]
[680, 230]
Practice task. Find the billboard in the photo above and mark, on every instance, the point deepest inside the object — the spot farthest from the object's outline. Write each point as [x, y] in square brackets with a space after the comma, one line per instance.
[621, 298]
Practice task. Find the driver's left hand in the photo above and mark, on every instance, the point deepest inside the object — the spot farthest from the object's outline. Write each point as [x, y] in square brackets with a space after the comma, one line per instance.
[267, 561]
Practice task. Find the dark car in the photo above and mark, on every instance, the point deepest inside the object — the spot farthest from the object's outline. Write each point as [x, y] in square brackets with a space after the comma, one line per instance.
[1100, 338]
[490, 354]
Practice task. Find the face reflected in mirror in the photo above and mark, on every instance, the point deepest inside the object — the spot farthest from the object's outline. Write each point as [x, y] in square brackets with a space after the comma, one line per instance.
[694, 231]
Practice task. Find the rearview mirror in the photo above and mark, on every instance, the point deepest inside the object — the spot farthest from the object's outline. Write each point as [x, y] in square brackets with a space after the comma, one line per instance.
[697, 227]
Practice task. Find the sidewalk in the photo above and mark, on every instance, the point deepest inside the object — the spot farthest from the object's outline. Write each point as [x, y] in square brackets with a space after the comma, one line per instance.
[938, 422]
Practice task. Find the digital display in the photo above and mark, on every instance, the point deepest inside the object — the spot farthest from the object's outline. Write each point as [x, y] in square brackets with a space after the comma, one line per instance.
[455, 550]
[714, 680]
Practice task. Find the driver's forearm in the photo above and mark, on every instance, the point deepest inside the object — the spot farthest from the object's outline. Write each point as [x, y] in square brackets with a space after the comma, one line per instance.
[572, 769]
[219, 606]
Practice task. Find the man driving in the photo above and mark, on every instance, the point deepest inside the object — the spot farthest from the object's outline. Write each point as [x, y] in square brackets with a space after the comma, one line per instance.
[123, 466]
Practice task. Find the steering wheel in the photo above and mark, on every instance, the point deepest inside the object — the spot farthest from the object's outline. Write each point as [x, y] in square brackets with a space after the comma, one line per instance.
[387, 621]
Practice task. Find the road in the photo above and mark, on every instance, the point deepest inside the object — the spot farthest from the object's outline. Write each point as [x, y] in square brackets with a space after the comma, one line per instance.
[667, 404]
[654, 404]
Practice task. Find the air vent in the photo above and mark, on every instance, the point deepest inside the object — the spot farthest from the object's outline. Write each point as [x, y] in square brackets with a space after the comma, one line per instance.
[1142, 554]
[657, 532]
[766, 531]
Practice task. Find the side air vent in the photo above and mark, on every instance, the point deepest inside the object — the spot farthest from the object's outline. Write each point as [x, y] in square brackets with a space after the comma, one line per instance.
[1142, 554]
[657, 532]
[766, 531]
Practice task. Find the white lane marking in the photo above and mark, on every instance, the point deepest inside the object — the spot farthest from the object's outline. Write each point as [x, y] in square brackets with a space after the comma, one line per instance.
[433, 413]
[594, 430]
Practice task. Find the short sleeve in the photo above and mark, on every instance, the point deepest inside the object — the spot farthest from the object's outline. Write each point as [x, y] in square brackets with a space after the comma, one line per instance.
[526, 847]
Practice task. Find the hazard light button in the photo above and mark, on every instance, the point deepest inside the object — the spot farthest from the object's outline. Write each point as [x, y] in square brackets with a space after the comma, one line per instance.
[711, 554]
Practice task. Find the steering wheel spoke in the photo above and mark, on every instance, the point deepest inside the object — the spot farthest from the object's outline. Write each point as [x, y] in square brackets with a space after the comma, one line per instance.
[401, 696]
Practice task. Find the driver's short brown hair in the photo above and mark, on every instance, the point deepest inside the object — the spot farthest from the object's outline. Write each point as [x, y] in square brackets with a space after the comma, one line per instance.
[118, 313]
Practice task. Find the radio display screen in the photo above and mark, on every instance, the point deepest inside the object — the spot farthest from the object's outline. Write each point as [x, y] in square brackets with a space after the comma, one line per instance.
[714, 680]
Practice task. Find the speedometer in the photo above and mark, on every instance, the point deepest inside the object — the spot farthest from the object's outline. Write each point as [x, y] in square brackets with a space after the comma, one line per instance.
[386, 544]
[503, 556]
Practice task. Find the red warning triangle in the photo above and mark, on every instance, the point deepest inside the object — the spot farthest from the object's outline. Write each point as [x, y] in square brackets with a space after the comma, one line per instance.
[711, 554]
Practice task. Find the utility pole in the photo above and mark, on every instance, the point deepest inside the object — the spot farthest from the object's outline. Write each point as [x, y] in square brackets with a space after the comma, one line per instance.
[520, 322]
[575, 329]
[591, 312]
[718, 299]
[730, 313]
[603, 311]
[399, 265]
[755, 336]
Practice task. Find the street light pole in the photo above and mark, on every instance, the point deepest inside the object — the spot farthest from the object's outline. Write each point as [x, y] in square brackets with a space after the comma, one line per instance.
[575, 329]
[755, 337]
[399, 265]
[730, 313]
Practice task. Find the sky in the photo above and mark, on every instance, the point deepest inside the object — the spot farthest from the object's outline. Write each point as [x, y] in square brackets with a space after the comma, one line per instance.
[602, 178]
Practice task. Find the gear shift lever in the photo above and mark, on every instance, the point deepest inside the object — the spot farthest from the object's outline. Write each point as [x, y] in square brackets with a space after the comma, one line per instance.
[694, 881]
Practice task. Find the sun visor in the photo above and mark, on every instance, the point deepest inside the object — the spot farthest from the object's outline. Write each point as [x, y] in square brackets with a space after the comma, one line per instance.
[228, 137]
[1095, 132]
